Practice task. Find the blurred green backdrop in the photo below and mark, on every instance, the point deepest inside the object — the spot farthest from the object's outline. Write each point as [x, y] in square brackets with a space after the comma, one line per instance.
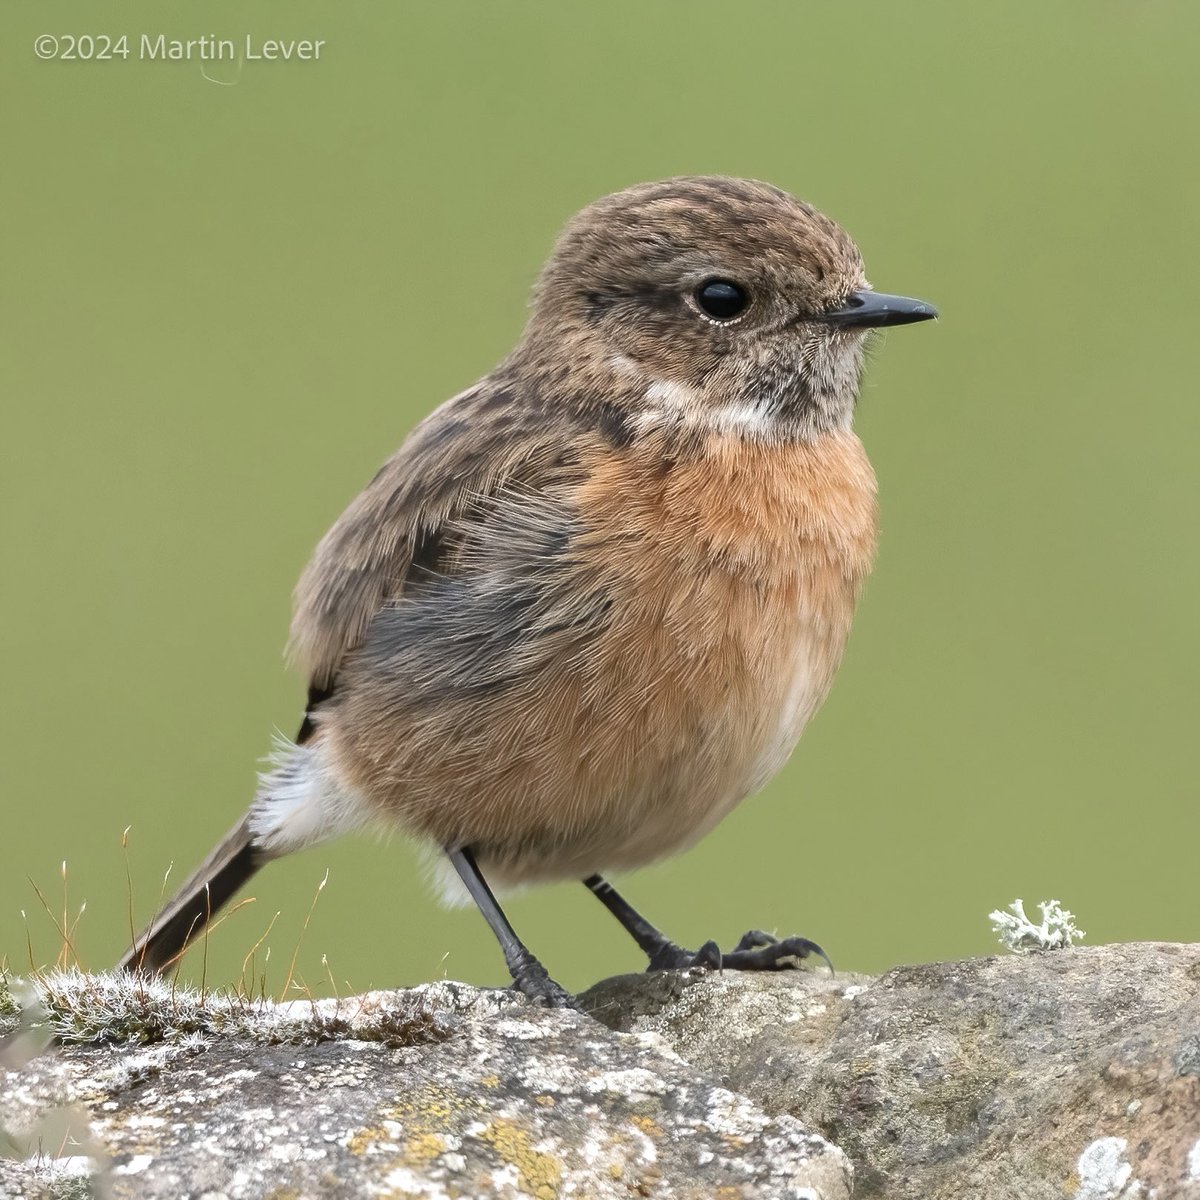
[226, 299]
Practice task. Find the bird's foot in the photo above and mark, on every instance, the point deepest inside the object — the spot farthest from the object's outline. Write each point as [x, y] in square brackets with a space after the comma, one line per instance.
[757, 951]
[535, 984]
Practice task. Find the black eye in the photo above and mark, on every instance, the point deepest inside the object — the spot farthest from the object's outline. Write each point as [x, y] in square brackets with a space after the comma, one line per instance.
[721, 299]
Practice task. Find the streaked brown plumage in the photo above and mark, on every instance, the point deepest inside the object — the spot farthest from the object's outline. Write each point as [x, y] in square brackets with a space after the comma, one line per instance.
[591, 602]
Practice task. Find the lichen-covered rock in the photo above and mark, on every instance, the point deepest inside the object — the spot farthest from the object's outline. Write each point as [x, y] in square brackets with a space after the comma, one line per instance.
[1066, 1073]
[440, 1091]
[1070, 1073]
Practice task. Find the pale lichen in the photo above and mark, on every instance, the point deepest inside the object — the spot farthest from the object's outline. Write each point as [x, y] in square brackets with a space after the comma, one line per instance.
[10, 1010]
[1193, 1163]
[72, 1177]
[80, 1009]
[1019, 934]
[1105, 1172]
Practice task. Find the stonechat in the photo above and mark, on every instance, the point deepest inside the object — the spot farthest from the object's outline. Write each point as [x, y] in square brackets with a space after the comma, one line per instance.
[592, 601]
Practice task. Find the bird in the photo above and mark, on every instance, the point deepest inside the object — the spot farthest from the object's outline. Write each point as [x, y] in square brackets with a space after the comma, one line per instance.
[592, 601]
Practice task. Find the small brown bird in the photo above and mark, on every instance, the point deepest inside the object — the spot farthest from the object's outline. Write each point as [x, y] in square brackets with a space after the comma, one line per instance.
[592, 601]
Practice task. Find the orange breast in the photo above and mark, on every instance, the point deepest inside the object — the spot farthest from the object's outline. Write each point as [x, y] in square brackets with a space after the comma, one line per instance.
[732, 575]
[738, 608]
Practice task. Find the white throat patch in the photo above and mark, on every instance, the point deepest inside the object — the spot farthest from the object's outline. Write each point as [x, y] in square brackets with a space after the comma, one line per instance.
[681, 404]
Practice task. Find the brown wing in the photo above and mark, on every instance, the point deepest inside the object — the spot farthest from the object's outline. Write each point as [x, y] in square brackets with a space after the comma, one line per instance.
[480, 442]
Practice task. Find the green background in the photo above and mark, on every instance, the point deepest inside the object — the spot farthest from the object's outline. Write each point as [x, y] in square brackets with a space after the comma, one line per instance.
[223, 306]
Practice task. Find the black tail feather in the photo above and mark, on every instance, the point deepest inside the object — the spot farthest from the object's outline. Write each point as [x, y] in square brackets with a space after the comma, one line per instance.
[234, 861]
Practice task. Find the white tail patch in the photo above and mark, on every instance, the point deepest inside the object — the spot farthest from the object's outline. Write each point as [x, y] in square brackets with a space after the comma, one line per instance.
[301, 802]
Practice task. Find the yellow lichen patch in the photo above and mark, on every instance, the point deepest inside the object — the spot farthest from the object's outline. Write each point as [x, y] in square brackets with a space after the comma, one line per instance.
[416, 1123]
[431, 1109]
[648, 1125]
[365, 1139]
[539, 1173]
[423, 1148]
[490, 1081]
[545, 1101]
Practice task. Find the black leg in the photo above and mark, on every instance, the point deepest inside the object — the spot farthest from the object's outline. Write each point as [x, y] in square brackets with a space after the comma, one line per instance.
[529, 976]
[757, 951]
[663, 954]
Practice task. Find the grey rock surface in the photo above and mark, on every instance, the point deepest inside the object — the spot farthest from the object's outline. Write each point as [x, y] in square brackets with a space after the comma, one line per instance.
[1072, 1073]
[439, 1091]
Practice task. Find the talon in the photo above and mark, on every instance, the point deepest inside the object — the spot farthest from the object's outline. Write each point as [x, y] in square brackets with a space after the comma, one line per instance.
[776, 955]
[798, 948]
[757, 951]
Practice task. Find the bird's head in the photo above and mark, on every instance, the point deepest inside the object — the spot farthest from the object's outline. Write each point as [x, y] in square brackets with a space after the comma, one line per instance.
[712, 302]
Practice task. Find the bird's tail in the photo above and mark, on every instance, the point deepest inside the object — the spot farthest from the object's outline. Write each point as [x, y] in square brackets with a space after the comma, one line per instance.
[234, 860]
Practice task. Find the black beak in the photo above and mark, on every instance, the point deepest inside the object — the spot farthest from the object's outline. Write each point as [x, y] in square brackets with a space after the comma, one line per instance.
[869, 309]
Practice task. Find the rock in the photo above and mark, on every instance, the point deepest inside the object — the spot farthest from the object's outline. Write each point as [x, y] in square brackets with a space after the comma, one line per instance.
[438, 1091]
[1070, 1073]
[1067, 1073]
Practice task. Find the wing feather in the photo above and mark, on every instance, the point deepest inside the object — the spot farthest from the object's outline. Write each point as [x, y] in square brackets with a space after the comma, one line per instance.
[470, 503]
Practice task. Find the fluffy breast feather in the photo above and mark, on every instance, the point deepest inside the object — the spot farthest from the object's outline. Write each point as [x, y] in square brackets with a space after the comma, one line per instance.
[728, 577]
[762, 549]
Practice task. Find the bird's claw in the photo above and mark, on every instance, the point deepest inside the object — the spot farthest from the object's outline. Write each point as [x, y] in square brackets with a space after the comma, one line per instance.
[756, 951]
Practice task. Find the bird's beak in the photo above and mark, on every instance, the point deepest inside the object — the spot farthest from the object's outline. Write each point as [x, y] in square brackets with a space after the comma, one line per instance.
[867, 309]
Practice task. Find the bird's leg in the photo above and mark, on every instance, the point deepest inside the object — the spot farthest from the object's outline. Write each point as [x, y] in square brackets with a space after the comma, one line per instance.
[529, 976]
[663, 954]
[757, 951]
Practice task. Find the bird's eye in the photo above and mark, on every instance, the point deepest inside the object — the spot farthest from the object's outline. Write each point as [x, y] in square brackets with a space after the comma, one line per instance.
[721, 299]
